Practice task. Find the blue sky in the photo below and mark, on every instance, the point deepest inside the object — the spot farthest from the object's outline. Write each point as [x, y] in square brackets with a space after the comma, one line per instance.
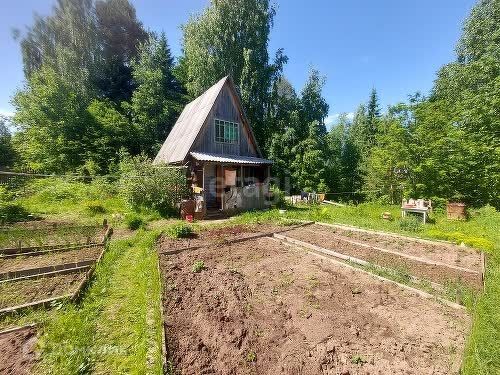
[395, 46]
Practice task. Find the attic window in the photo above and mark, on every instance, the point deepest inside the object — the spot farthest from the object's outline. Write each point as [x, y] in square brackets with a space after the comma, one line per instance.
[226, 132]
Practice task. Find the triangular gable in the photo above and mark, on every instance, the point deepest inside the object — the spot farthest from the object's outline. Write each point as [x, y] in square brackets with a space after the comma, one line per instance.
[182, 136]
[190, 123]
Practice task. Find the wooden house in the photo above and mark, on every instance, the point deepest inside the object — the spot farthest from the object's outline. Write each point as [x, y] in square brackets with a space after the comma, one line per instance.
[214, 140]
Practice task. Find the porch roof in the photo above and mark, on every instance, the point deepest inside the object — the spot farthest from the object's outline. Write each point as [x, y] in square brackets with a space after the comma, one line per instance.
[230, 159]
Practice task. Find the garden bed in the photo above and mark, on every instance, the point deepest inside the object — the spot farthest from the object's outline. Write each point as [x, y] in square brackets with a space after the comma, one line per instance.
[218, 236]
[433, 250]
[41, 233]
[50, 259]
[260, 307]
[17, 351]
[384, 253]
[21, 292]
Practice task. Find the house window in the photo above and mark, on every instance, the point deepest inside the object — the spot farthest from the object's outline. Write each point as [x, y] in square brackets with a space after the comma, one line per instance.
[226, 132]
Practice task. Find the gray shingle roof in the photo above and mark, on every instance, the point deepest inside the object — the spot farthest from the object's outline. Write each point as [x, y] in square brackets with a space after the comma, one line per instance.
[230, 159]
[188, 125]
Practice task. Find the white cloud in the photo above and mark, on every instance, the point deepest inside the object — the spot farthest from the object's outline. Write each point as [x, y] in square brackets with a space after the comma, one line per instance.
[6, 112]
[330, 120]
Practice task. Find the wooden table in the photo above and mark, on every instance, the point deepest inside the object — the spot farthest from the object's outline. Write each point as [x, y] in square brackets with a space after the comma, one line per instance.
[420, 210]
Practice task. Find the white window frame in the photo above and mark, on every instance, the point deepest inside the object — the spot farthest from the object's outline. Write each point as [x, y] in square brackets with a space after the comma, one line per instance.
[224, 123]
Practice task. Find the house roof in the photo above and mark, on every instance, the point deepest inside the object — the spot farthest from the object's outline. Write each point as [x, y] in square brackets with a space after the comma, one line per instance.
[188, 125]
[230, 159]
[176, 147]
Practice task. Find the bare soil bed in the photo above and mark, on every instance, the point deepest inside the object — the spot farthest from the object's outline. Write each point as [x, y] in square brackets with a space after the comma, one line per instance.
[261, 307]
[322, 236]
[439, 252]
[15, 293]
[217, 236]
[50, 259]
[17, 351]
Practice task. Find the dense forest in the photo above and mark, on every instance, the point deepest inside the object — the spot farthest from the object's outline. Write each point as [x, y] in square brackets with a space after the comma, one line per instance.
[99, 85]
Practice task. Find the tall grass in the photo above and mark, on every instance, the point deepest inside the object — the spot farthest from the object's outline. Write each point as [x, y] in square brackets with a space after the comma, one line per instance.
[76, 201]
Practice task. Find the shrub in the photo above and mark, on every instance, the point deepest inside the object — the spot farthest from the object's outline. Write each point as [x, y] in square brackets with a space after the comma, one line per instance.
[134, 222]
[180, 230]
[411, 224]
[156, 187]
[278, 198]
[198, 266]
[95, 207]
[12, 212]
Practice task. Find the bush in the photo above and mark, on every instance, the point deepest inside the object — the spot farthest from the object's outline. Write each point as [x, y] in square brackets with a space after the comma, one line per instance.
[410, 224]
[198, 266]
[145, 185]
[12, 212]
[134, 222]
[180, 230]
[278, 198]
[94, 207]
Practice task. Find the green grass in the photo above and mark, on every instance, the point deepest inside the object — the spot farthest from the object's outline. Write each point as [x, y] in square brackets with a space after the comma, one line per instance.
[117, 327]
[78, 202]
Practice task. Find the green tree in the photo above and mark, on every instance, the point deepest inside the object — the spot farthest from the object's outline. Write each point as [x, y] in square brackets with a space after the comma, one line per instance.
[388, 161]
[112, 133]
[469, 89]
[90, 44]
[7, 153]
[309, 170]
[158, 99]
[281, 152]
[53, 123]
[231, 38]
[66, 42]
[313, 106]
[372, 117]
[119, 35]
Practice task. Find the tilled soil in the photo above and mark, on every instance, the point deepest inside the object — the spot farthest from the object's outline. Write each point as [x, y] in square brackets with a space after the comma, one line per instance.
[49, 259]
[15, 293]
[323, 237]
[17, 352]
[217, 236]
[439, 252]
[260, 307]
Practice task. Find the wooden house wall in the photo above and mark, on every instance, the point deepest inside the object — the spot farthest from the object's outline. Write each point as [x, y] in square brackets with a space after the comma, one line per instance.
[225, 108]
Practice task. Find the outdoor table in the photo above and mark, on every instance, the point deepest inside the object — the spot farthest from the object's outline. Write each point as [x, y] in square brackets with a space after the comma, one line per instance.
[419, 210]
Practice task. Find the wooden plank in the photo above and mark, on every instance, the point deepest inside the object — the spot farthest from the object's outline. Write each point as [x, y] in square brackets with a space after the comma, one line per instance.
[47, 274]
[35, 251]
[9, 275]
[27, 250]
[33, 305]
[483, 269]
[15, 329]
[78, 292]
